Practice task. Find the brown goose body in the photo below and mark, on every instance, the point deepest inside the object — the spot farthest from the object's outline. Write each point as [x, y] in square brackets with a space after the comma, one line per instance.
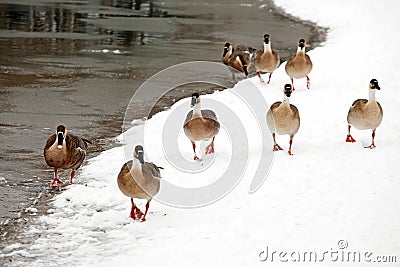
[70, 156]
[136, 183]
[201, 127]
[364, 114]
[266, 61]
[283, 118]
[298, 66]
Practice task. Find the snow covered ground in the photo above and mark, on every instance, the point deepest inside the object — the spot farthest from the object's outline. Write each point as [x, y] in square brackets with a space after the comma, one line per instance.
[330, 196]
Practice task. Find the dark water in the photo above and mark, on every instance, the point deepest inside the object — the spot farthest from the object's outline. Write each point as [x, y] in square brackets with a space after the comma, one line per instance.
[79, 62]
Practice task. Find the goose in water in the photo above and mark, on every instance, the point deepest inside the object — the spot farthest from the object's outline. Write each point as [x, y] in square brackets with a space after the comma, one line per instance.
[365, 114]
[299, 65]
[283, 118]
[139, 179]
[266, 60]
[65, 151]
[200, 125]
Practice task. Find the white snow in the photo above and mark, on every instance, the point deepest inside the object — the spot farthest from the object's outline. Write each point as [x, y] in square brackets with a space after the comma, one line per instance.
[328, 191]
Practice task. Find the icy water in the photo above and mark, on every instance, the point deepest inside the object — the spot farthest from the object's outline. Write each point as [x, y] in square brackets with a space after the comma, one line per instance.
[79, 63]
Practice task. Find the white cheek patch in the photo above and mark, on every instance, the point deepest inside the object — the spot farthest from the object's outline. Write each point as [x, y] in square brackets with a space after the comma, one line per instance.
[59, 146]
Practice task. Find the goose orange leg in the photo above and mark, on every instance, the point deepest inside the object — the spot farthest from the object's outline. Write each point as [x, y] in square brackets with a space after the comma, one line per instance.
[269, 79]
[145, 213]
[276, 146]
[136, 214]
[56, 182]
[259, 76]
[350, 138]
[308, 82]
[194, 150]
[210, 147]
[372, 146]
[292, 84]
[290, 146]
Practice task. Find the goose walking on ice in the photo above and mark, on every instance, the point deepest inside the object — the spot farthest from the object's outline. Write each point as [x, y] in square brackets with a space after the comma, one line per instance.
[200, 124]
[283, 118]
[65, 151]
[266, 60]
[299, 65]
[365, 114]
[139, 179]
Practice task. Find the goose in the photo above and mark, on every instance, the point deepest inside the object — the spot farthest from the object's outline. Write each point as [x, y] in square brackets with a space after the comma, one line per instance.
[200, 124]
[299, 65]
[283, 118]
[66, 151]
[139, 179]
[229, 49]
[266, 60]
[365, 114]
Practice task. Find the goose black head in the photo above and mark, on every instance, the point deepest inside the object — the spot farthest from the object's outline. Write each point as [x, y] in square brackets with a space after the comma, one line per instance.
[61, 133]
[226, 49]
[139, 153]
[266, 38]
[302, 44]
[287, 90]
[195, 99]
[373, 84]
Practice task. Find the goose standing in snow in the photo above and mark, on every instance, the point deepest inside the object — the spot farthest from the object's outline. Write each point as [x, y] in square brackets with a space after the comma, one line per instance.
[139, 179]
[283, 118]
[266, 60]
[365, 114]
[299, 65]
[200, 125]
[66, 151]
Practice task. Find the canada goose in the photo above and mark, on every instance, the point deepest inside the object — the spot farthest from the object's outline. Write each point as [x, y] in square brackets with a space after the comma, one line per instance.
[266, 60]
[66, 151]
[365, 114]
[283, 118]
[139, 179]
[200, 125]
[299, 65]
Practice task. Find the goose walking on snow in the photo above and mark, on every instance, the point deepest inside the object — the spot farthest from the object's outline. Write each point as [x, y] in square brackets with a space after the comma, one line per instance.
[283, 118]
[299, 65]
[139, 179]
[238, 58]
[200, 125]
[266, 60]
[365, 114]
[66, 151]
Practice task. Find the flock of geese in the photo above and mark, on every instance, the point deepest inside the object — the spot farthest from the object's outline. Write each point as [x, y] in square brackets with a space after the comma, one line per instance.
[141, 180]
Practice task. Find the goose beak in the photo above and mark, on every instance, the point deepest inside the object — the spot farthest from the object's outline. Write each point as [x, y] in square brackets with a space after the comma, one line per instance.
[140, 156]
[194, 100]
[377, 86]
[60, 139]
